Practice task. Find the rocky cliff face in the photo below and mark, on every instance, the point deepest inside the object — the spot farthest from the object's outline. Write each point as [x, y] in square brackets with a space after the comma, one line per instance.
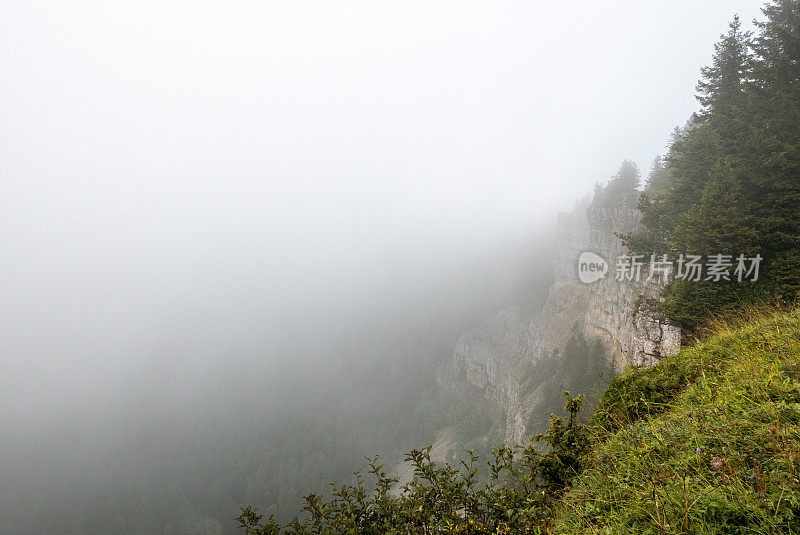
[612, 313]
[488, 359]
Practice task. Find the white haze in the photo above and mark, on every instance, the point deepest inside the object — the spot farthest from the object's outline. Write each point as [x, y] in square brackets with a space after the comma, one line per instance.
[184, 184]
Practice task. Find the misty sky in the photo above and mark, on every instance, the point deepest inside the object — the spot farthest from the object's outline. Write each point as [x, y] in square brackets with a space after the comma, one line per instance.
[191, 178]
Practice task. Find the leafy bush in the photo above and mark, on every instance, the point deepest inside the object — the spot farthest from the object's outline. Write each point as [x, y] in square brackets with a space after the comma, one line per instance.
[706, 442]
[522, 484]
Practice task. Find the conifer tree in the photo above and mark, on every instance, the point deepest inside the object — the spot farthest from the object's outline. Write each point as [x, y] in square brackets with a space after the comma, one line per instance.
[721, 89]
[622, 189]
[733, 173]
[658, 178]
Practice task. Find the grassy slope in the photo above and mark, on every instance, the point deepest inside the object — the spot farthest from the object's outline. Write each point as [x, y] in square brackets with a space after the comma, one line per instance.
[707, 442]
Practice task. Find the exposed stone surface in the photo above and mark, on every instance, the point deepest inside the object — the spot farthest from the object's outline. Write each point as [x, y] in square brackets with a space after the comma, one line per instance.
[485, 359]
[633, 336]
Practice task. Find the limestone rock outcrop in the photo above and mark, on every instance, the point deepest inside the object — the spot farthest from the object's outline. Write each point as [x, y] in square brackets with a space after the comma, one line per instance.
[487, 359]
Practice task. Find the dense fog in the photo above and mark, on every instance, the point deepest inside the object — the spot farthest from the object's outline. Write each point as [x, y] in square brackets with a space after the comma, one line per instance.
[225, 223]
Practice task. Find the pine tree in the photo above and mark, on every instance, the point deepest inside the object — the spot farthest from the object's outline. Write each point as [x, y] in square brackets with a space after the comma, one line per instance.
[622, 189]
[658, 178]
[773, 148]
[721, 90]
[777, 47]
[733, 173]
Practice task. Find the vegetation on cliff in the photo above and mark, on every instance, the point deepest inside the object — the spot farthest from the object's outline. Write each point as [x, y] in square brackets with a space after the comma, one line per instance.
[730, 182]
[706, 442]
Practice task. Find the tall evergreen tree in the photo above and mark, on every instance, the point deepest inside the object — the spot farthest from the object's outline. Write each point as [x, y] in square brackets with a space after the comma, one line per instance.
[658, 178]
[734, 172]
[721, 89]
[777, 47]
[622, 189]
[773, 148]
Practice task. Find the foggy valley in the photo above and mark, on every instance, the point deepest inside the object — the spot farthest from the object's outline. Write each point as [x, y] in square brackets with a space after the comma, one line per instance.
[244, 245]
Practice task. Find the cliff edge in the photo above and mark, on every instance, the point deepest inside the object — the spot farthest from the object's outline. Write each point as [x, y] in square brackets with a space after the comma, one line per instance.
[492, 360]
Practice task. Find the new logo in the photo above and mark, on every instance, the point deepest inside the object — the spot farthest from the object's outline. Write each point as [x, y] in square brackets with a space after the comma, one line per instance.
[591, 267]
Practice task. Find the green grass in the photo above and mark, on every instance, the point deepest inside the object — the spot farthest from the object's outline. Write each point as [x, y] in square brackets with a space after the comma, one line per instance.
[706, 442]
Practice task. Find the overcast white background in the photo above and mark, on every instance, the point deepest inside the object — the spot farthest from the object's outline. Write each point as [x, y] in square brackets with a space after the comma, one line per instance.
[177, 178]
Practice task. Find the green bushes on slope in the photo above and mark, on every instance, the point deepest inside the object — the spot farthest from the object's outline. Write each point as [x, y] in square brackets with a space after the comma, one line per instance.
[706, 442]
[709, 440]
[516, 496]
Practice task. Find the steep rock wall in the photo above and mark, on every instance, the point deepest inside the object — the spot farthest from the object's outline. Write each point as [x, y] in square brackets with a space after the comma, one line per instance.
[488, 359]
